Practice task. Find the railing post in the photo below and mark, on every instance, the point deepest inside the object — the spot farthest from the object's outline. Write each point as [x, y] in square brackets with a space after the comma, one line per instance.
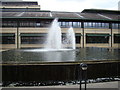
[83, 71]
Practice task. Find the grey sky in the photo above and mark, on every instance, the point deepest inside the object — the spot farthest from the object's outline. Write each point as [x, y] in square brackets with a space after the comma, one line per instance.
[77, 5]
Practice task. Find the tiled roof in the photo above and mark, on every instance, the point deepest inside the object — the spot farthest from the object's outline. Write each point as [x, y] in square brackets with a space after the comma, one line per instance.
[91, 16]
[36, 14]
[101, 11]
[26, 14]
[64, 15]
[113, 16]
[53, 14]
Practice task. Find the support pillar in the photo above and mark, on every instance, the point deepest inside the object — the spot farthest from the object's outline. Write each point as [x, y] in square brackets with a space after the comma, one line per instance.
[81, 41]
[84, 39]
[18, 36]
[111, 37]
[83, 35]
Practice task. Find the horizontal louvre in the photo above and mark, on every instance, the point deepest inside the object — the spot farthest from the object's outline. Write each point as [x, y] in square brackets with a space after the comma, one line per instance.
[98, 35]
[76, 34]
[7, 34]
[33, 34]
[118, 35]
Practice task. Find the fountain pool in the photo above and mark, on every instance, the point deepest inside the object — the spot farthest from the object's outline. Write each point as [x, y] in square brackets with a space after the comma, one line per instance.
[23, 67]
[77, 55]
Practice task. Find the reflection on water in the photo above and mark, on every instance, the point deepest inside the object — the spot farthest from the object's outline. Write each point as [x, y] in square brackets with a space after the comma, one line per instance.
[24, 56]
[59, 56]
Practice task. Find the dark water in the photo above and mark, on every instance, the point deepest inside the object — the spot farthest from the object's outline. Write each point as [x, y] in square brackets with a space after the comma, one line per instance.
[81, 54]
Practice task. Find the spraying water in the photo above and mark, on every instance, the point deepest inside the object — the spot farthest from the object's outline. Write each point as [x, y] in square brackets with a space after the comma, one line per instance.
[71, 38]
[54, 36]
[54, 39]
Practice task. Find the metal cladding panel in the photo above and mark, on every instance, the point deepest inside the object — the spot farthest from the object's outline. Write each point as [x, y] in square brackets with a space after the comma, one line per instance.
[7, 34]
[61, 15]
[98, 35]
[118, 35]
[65, 15]
[32, 34]
[63, 72]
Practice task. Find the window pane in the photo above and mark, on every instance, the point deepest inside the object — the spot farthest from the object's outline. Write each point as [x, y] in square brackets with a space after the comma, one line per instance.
[117, 38]
[8, 40]
[97, 39]
[33, 38]
[96, 25]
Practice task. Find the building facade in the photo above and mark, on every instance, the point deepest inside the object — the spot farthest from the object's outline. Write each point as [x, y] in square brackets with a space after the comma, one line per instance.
[24, 25]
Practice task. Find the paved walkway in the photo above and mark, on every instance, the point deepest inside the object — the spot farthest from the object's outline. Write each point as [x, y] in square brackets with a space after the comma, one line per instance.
[3, 49]
[91, 85]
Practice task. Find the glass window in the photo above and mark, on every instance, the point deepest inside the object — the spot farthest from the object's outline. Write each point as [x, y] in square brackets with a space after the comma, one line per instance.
[63, 24]
[96, 25]
[117, 38]
[75, 24]
[60, 23]
[97, 38]
[7, 38]
[34, 24]
[115, 25]
[78, 39]
[85, 25]
[106, 25]
[38, 24]
[9, 24]
[33, 38]
[69, 24]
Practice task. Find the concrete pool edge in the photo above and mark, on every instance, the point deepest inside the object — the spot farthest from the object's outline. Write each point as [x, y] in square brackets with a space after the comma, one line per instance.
[62, 63]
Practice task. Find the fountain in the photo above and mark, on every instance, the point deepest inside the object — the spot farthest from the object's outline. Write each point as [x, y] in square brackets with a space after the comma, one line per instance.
[54, 38]
[71, 38]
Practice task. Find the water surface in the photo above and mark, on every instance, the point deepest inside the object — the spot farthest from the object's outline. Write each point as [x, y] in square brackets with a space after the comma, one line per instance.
[81, 54]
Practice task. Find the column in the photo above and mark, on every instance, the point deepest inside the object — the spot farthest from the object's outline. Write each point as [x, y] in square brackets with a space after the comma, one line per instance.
[18, 36]
[111, 37]
[83, 35]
